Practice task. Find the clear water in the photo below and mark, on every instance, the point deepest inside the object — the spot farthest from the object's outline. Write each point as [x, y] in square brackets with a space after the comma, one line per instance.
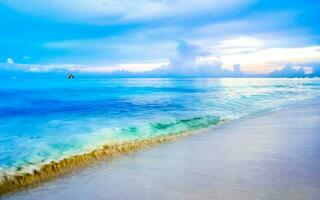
[48, 119]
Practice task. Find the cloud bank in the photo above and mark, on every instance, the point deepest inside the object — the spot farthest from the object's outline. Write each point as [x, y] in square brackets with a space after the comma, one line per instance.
[288, 71]
[190, 60]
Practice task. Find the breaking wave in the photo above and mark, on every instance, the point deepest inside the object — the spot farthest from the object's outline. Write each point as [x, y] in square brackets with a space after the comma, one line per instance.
[137, 138]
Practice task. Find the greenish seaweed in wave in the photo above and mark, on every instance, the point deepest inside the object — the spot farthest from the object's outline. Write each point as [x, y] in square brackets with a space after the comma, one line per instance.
[168, 127]
[185, 124]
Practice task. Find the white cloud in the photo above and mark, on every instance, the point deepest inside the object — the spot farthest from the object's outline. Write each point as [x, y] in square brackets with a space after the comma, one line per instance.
[184, 61]
[268, 59]
[140, 67]
[10, 61]
[132, 67]
[241, 42]
[37, 68]
[288, 71]
[122, 10]
[129, 67]
[253, 32]
[188, 62]
[261, 52]
[134, 47]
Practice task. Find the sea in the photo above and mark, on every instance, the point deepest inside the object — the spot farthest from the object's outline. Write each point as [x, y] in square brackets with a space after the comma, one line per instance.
[45, 120]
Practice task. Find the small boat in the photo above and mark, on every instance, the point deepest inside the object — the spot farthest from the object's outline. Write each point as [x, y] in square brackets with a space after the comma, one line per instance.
[70, 76]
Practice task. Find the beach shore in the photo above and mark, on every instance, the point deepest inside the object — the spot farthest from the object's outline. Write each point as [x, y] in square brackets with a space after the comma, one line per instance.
[271, 156]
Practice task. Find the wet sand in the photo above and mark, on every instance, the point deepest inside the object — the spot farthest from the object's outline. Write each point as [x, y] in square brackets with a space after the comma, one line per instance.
[273, 156]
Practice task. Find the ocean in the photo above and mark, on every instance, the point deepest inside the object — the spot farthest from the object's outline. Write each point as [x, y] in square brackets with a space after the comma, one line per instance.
[45, 120]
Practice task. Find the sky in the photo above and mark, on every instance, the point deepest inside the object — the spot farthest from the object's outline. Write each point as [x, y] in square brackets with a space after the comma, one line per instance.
[227, 38]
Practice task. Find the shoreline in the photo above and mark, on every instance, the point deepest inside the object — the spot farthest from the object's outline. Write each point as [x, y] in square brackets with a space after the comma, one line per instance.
[55, 169]
[23, 179]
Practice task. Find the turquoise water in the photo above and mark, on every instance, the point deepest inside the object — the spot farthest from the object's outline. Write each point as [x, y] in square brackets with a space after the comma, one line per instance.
[42, 120]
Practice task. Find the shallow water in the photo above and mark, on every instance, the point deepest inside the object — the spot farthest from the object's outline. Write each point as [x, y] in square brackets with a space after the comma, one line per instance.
[47, 119]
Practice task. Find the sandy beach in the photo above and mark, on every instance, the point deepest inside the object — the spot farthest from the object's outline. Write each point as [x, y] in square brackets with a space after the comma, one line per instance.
[270, 156]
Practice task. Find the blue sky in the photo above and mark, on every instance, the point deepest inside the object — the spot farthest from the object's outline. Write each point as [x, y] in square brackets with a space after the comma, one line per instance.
[142, 35]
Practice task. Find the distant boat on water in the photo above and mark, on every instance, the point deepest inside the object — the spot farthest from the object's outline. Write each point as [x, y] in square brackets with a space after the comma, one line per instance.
[70, 76]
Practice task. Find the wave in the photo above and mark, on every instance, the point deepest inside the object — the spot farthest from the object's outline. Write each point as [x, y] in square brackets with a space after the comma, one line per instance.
[154, 133]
